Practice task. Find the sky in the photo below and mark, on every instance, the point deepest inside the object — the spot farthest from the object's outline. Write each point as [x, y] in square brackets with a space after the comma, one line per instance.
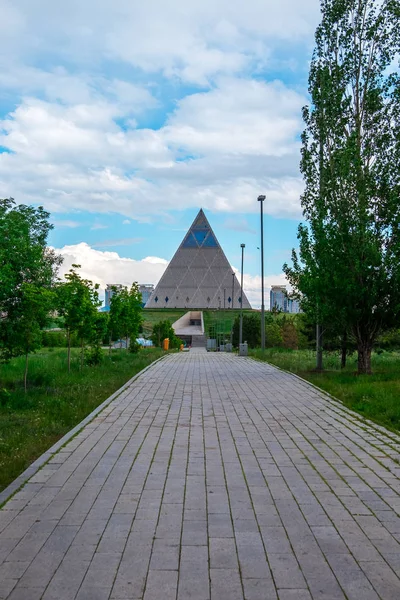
[123, 118]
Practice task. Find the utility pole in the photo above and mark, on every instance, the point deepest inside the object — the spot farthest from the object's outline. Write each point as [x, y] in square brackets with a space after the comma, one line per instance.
[241, 299]
[261, 201]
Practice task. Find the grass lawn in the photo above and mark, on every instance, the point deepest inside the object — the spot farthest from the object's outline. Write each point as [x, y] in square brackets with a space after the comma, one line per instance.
[376, 396]
[150, 317]
[56, 400]
[221, 319]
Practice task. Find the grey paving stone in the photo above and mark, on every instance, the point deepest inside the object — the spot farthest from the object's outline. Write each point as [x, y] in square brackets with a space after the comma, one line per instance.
[226, 584]
[161, 585]
[165, 556]
[194, 581]
[294, 595]
[209, 449]
[220, 525]
[23, 593]
[259, 589]
[223, 553]
[286, 572]
[194, 533]
[132, 572]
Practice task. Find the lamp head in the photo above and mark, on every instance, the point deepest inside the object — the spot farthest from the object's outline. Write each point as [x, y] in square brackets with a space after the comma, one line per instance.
[243, 245]
[261, 198]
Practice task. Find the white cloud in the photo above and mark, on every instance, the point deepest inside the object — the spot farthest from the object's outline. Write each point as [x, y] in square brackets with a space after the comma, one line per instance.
[96, 226]
[66, 223]
[76, 137]
[193, 41]
[126, 222]
[109, 267]
[238, 139]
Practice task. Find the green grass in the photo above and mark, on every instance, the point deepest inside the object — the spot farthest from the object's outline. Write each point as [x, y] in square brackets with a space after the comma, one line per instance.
[376, 396]
[56, 400]
[223, 318]
[150, 317]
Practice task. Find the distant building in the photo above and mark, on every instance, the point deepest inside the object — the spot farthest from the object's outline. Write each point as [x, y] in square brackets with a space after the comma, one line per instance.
[109, 293]
[294, 306]
[278, 298]
[280, 301]
[146, 289]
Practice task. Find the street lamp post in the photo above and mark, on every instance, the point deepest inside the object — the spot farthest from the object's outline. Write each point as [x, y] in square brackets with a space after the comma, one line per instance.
[261, 201]
[241, 300]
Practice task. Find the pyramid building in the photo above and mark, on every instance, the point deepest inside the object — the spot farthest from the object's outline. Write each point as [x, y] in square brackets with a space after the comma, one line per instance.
[199, 275]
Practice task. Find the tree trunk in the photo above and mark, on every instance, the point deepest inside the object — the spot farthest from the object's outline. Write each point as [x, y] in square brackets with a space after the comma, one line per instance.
[343, 350]
[69, 351]
[126, 342]
[26, 372]
[364, 359]
[109, 346]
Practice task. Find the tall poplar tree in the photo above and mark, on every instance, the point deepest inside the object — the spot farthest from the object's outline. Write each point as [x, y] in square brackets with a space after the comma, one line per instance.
[348, 270]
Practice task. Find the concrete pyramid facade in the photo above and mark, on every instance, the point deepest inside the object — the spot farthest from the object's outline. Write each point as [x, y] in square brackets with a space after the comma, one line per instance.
[199, 275]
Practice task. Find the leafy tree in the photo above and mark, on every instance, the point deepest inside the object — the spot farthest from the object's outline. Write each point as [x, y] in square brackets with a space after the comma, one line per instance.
[273, 335]
[21, 331]
[348, 272]
[251, 330]
[78, 300]
[290, 336]
[163, 330]
[27, 273]
[126, 314]
[98, 332]
[24, 255]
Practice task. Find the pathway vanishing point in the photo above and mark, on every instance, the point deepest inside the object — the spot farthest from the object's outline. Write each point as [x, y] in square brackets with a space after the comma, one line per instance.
[211, 477]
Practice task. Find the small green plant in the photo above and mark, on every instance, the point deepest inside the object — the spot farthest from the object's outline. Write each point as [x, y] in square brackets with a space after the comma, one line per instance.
[94, 356]
[5, 397]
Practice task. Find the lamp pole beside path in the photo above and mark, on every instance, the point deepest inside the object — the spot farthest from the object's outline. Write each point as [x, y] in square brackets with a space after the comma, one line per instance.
[261, 201]
[241, 299]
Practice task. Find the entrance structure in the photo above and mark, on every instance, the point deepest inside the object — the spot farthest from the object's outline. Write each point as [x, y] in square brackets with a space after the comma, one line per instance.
[199, 275]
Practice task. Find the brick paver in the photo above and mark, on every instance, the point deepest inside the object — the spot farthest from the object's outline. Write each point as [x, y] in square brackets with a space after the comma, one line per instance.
[211, 477]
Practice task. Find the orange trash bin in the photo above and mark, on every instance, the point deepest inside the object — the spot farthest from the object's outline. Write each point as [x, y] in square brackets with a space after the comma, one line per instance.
[166, 344]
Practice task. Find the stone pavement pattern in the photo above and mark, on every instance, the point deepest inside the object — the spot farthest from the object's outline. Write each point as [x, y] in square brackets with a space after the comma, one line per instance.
[210, 477]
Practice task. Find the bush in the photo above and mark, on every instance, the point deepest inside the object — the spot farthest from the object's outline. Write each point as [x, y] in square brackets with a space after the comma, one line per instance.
[163, 330]
[93, 356]
[251, 330]
[290, 337]
[5, 397]
[134, 347]
[273, 336]
[58, 339]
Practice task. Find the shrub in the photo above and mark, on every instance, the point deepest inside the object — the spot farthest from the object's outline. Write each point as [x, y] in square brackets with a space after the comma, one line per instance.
[290, 337]
[5, 397]
[163, 330]
[94, 355]
[134, 347]
[251, 330]
[273, 336]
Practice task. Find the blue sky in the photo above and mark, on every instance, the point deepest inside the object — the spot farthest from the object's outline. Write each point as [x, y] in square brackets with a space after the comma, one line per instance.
[124, 118]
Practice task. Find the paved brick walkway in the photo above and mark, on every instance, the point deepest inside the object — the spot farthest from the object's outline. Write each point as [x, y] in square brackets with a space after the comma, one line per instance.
[215, 477]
